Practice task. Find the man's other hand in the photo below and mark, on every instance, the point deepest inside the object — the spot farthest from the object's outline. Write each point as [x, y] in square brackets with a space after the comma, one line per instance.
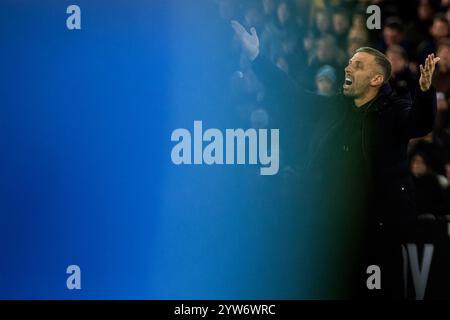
[426, 72]
[249, 41]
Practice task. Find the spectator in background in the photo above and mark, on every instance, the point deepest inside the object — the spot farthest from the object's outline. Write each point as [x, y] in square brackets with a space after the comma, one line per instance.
[302, 12]
[269, 7]
[441, 130]
[431, 189]
[358, 29]
[284, 13]
[326, 81]
[439, 30]
[426, 9]
[327, 53]
[283, 29]
[441, 78]
[402, 80]
[354, 44]
[322, 22]
[341, 27]
[393, 34]
[359, 20]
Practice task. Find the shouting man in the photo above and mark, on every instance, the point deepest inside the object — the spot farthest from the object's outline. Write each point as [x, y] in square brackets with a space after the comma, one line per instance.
[357, 158]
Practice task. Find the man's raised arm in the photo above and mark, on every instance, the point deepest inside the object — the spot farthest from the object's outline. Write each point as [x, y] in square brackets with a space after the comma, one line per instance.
[278, 84]
[418, 119]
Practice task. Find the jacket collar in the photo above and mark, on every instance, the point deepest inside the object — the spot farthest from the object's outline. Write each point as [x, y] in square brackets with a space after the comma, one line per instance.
[382, 99]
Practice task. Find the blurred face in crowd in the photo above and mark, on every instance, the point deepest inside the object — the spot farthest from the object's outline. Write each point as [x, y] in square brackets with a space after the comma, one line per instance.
[444, 53]
[361, 75]
[439, 29]
[340, 23]
[358, 21]
[324, 86]
[325, 50]
[283, 13]
[322, 21]
[425, 11]
[357, 33]
[398, 62]
[392, 36]
[268, 6]
[418, 166]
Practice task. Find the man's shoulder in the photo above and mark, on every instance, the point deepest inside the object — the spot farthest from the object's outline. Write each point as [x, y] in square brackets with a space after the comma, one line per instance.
[403, 95]
[398, 99]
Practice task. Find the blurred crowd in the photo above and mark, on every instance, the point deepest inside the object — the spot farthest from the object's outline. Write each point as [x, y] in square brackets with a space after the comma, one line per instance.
[312, 40]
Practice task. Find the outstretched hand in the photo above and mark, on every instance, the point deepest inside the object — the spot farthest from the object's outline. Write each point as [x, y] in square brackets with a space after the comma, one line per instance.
[249, 41]
[426, 72]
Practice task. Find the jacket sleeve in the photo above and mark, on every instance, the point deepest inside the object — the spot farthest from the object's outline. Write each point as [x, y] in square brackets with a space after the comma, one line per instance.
[304, 115]
[282, 89]
[416, 118]
[277, 82]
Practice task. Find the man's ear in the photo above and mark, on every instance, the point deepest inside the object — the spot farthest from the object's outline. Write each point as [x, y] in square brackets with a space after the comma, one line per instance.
[377, 80]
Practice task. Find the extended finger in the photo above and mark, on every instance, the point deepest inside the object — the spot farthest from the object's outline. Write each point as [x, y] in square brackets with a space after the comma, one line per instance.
[238, 28]
[427, 63]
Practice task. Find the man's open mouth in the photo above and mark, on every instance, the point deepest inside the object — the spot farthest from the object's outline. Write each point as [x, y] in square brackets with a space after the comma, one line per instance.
[348, 82]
